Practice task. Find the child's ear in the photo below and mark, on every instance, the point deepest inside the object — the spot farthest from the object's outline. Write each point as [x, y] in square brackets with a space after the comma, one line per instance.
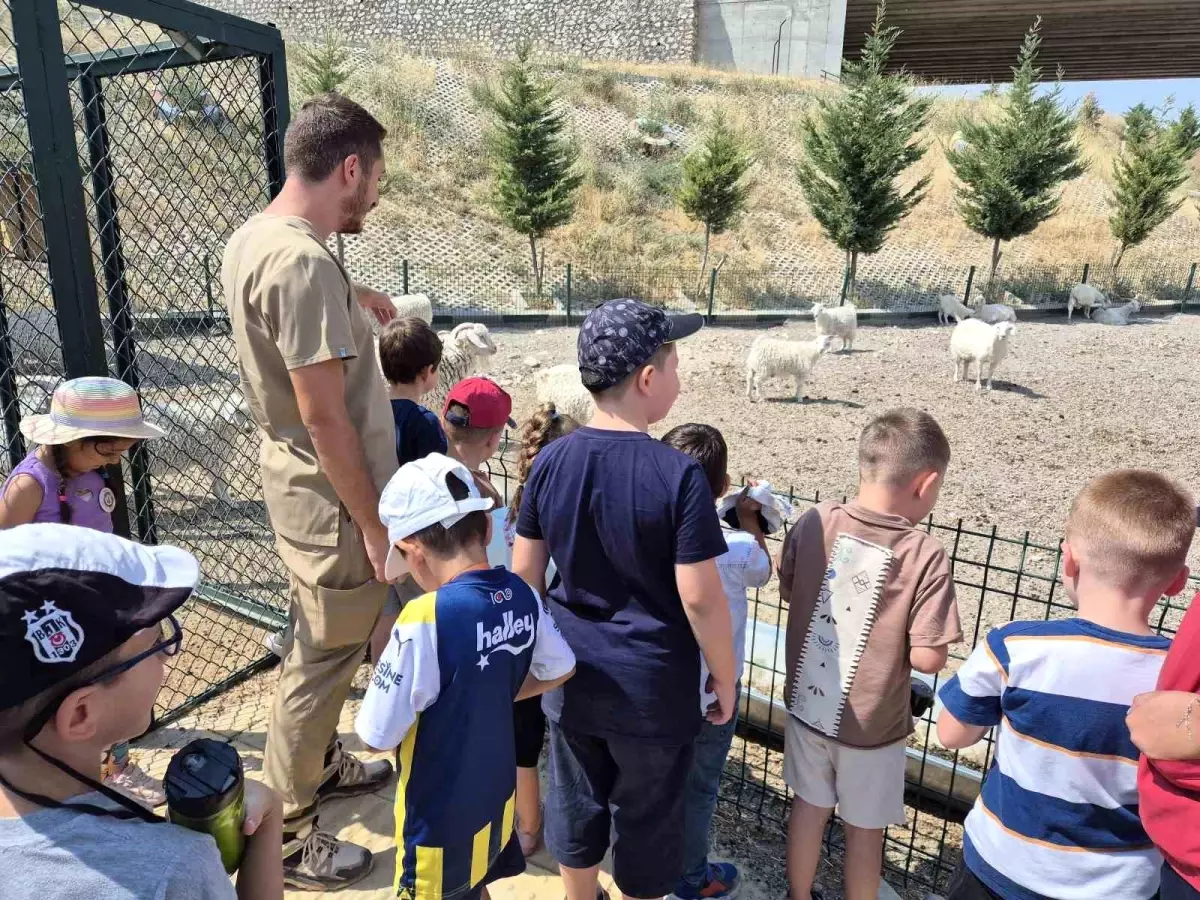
[487, 540]
[1070, 562]
[78, 716]
[1178, 583]
[926, 482]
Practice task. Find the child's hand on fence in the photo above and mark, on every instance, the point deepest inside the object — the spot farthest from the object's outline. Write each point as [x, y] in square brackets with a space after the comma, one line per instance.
[1166, 724]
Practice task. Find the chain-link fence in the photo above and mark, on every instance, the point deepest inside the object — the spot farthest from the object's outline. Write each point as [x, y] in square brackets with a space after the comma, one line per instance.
[135, 136]
[998, 578]
[569, 291]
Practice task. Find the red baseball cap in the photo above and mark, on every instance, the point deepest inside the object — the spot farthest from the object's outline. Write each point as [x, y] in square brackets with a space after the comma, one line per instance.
[488, 405]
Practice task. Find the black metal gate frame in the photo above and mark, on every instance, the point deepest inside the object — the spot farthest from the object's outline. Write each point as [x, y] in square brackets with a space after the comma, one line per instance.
[45, 75]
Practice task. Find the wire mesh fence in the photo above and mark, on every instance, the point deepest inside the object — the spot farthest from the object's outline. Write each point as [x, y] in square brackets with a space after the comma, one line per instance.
[998, 578]
[132, 144]
[568, 292]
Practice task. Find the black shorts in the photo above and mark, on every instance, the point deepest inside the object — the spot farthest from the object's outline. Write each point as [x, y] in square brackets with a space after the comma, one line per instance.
[1174, 887]
[529, 728]
[965, 886]
[629, 787]
[510, 863]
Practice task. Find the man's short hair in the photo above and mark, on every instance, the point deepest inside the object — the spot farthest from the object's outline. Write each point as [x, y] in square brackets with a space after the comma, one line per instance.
[899, 445]
[326, 130]
[1132, 526]
[705, 445]
[658, 359]
[406, 348]
[469, 531]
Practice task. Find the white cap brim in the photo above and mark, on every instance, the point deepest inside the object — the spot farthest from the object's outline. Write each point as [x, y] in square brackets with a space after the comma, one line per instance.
[396, 566]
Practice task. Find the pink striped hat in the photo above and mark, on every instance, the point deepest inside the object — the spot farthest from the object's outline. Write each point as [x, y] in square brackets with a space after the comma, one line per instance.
[90, 407]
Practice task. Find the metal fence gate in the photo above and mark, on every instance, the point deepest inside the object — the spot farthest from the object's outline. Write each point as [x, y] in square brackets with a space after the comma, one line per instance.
[135, 136]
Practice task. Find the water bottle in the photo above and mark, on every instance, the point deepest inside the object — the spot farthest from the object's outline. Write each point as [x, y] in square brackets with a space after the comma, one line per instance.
[206, 791]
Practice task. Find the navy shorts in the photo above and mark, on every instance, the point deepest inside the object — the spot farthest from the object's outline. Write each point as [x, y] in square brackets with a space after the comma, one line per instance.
[626, 787]
[1174, 887]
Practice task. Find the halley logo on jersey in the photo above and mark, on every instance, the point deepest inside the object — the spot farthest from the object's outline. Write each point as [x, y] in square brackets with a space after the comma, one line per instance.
[503, 636]
[55, 636]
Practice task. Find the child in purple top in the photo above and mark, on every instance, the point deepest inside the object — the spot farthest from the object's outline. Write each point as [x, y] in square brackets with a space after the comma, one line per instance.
[92, 423]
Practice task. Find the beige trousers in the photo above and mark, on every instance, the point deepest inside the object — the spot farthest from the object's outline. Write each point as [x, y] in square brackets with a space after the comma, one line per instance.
[335, 601]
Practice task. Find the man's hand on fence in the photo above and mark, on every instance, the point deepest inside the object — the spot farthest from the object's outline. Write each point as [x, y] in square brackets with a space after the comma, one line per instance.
[376, 303]
[1166, 724]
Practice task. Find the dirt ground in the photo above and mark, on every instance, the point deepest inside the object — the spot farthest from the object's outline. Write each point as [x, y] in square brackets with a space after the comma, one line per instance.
[1070, 401]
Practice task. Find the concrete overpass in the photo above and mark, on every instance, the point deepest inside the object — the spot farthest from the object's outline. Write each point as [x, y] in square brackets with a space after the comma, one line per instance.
[976, 41]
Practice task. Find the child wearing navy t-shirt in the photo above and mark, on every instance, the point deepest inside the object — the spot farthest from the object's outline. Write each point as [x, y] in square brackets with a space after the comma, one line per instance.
[632, 525]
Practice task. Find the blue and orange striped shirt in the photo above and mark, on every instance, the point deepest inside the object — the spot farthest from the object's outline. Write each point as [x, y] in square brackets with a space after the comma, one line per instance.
[1058, 813]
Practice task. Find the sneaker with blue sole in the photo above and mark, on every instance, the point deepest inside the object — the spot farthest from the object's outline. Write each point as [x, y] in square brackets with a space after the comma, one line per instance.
[722, 881]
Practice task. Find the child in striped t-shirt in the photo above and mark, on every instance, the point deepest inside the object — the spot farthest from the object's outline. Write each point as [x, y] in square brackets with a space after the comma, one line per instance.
[1058, 813]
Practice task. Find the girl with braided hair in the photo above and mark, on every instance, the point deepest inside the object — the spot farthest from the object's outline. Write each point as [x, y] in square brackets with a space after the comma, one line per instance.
[92, 424]
[529, 722]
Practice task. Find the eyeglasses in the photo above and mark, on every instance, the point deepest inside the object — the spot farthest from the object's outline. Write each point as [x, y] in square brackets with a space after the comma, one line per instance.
[168, 644]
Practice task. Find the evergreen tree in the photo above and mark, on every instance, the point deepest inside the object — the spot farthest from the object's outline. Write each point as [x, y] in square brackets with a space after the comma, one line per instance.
[533, 162]
[1013, 165]
[1089, 112]
[1146, 176]
[323, 67]
[1185, 131]
[714, 189]
[857, 147]
[1140, 123]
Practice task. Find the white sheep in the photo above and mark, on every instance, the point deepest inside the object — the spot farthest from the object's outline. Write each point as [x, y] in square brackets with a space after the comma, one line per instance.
[836, 321]
[1084, 297]
[464, 348]
[771, 357]
[415, 306]
[561, 386]
[1118, 315]
[992, 313]
[950, 307]
[980, 343]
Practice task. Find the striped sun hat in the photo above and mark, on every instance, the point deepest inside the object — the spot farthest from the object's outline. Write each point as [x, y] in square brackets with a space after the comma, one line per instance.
[90, 407]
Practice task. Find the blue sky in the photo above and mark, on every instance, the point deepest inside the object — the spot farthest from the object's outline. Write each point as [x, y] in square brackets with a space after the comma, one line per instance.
[1117, 96]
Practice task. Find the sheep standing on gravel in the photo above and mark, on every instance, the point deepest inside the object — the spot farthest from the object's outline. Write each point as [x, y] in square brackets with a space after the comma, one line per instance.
[977, 342]
[992, 313]
[416, 306]
[775, 357]
[464, 348]
[1118, 315]
[950, 307]
[836, 321]
[1085, 297]
[561, 386]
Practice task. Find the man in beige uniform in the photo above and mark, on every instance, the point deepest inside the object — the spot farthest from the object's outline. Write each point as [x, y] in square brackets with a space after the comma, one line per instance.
[310, 374]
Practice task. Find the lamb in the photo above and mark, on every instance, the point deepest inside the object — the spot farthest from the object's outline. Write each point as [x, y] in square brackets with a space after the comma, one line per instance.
[1085, 297]
[464, 348]
[770, 356]
[949, 306]
[980, 343]
[561, 386]
[992, 313]
[836, 321]
[1119, 315]
[414, 306]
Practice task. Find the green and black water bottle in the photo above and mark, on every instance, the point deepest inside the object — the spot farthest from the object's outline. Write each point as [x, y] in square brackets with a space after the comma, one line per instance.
[206, 792]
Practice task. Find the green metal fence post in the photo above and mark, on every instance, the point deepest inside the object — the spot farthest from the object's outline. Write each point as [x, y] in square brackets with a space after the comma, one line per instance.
[970, 282]
[1187, 291]
[568, 293]
[845, 286]
[404, 275]
[712, 293]
[1087, 268]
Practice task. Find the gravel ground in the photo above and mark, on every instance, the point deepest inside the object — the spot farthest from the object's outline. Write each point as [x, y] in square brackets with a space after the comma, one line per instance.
[1070, 401]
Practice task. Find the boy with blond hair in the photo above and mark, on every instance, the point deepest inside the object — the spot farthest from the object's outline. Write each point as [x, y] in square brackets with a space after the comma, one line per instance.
[633, 527]
[871, 598]
[1058, 815]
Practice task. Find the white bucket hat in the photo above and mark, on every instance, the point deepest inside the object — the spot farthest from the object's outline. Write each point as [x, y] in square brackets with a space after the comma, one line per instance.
[418, 496]
[90, 407]
[775, 510]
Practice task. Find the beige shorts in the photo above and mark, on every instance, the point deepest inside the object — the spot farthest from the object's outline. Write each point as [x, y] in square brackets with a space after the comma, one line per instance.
[866, 786]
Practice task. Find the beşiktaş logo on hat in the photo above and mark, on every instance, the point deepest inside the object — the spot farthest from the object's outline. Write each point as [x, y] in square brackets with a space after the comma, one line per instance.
[54, 634]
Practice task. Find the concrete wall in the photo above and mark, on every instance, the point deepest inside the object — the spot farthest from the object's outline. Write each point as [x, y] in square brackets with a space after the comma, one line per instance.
[638, 30]
[802, 38]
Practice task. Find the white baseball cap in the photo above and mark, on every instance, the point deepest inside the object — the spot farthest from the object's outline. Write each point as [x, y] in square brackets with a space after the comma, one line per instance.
[419, 496]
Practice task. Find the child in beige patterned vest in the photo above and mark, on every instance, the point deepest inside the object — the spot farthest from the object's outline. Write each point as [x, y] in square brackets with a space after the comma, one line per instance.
[871, 598]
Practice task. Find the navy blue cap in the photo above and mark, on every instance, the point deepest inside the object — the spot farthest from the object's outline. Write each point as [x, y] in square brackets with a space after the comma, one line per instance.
[620, 336]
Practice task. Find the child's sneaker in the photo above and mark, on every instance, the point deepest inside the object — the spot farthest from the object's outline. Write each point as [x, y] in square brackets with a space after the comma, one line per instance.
[721, 882]
[137, 784]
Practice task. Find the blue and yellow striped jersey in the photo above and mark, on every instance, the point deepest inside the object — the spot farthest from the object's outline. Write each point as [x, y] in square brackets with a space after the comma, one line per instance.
[442, 693]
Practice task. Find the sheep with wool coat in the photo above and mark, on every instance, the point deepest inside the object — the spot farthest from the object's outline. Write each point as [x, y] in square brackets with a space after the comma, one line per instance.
[977, 342]
[415, 306]
[1085, 297]
[992, 313]
[562, 386]
[1118, 315]
[949, 307]
[778, 357]
[836, 321]
[464, 349]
